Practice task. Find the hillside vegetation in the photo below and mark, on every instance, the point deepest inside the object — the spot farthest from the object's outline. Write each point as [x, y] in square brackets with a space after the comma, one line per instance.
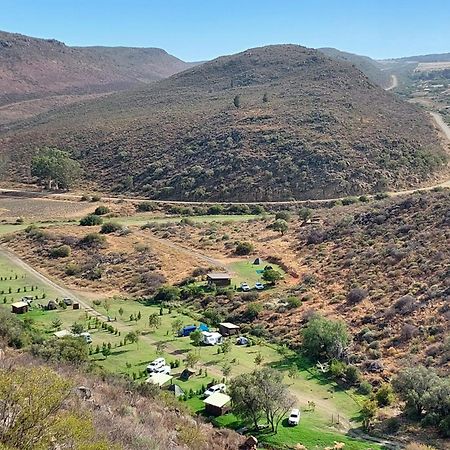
[34, 68]
[271, 123]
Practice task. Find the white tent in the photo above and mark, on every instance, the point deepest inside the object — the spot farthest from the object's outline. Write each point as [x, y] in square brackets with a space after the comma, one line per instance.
[211, 338]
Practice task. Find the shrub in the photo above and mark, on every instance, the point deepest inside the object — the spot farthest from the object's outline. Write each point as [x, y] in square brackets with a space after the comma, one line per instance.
[356, 295]
[293, 302]
[101, 210]
[385, 395]
[91, 220]
[253, 310]
[145, 207]
[244, 248]
[93, 240]
[283, 215]
[61, 251]
[352, 375]
[365, 388]
[110, 227]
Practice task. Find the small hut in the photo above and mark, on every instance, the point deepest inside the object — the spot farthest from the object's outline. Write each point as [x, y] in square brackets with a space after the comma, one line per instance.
[228, 329]
[75, 305]
[217, 404]
[219, 278]
[19, 308]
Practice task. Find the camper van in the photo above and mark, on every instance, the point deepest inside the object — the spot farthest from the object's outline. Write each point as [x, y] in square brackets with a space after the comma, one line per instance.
[156, 364]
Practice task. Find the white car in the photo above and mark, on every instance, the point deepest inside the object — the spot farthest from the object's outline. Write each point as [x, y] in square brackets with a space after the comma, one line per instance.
[87, 337]
[294, 418]
[163, 369]
[245, 287]
[259, 286]
[216, 388]
[156, 364]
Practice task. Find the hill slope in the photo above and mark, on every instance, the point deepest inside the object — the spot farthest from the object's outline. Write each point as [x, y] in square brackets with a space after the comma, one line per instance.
[325, 131]
[33, 68]
[370, 67]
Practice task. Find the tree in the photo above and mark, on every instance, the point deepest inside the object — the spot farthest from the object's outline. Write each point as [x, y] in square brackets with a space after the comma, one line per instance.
[414, 385]
[57, 323]
[369, 411]
[226, 370]
[110, 227]
[325, 337]
[271, 276]
[244, 248]
[191, 359]
[305, 213]
[121, 311]
[259, 359]
[167, 294]
[55, 168]
[226, 346]
[154, 321]
[265, 98]
[106, 351]
[385, 395]
[176, 326]
[35, 413]
[132, 337]
[253, 310]
[261, 393]
[77, 328]
[196, 337]
[160, 347]
[293, 371]
[237, 101]
[70, 349]
[101, 210]
[280, 225]
[283, 215]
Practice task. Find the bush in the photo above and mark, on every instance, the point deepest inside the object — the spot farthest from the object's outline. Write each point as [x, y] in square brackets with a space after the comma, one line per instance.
[145, 207]
[365, 388]
[253, 310]
[93, 240]
[110, 227]
[293, 302]
[61, 251]
[283, 215]
[356, 295]
[244, 248]
[352, 375]
[91, 220]
[385, 395]
[101, 210]
[72, 268]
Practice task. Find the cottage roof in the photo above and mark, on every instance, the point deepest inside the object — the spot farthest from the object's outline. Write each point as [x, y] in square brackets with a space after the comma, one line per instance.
[229, 325]
[217, 399]
[19, 304]
[219, 276]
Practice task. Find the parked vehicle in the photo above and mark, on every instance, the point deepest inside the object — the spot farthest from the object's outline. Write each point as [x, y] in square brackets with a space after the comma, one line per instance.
[242, 340]
[245, 287]
[163, 369]
[216, 388]
[156, 364]
[259, 286]
[294, 418]
[87, 337]
[187, 330]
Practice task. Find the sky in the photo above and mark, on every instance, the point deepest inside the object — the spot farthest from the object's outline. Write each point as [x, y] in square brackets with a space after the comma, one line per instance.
[195, 30]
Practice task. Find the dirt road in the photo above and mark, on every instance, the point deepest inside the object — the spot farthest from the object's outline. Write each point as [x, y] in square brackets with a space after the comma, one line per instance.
[394, 83]
[441, 124]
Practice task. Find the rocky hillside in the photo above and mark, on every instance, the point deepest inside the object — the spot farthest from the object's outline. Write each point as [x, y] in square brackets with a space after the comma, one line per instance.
[384, 268]
[34, 68]
[370, 67]
[271, 123]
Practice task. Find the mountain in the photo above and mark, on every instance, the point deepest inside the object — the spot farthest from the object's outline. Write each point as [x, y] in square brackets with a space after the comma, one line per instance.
[34, 68]
[370, 67]
[435, 57]
[307, 126]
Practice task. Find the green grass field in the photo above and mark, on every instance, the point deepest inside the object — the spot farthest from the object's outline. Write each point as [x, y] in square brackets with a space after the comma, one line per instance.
[246, 271]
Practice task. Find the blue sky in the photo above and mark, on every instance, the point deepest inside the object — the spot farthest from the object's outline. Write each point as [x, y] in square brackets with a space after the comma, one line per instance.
[198, 30]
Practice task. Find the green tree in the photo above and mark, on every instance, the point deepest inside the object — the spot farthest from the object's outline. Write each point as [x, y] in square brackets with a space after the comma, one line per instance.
[154, 321]
[259, 359]
[280, 225]
[369, 411]
[385, 395]
[305, 213]
[91, 220]
[70, 349]
[226, 370]
[244, 248]
[57, 323]
[106, 351]
[160, 347]
[271, 276]
[196, 337]
[35, 413]
[77, 328]
[55, 168]
[167, 294]
[226, 346]
[253, 310]
[191, 359]
[176, 326]
[237, 101]
[325, 337]
[132, 337]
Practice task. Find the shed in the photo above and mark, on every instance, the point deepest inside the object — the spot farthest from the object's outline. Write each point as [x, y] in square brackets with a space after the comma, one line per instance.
[219, 278]
[75, 305]
[159, 378]
[19, 307]
[228, 329]
[213, 338]
[217, 404]
[176, 390]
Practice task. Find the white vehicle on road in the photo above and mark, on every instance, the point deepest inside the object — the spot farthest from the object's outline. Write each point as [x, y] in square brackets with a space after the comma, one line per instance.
[294, 418]
[245, 287]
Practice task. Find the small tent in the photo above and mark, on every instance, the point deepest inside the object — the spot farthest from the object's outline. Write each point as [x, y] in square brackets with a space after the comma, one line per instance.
[52, 305]
[257, 262]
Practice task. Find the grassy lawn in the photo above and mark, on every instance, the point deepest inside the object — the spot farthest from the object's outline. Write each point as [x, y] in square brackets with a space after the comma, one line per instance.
[246, 271]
